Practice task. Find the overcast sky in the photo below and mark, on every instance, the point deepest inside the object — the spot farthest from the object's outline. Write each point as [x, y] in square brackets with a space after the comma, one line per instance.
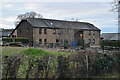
[97, 13]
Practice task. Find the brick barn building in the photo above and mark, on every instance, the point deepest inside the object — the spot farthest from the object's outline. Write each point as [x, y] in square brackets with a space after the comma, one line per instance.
[49, 32]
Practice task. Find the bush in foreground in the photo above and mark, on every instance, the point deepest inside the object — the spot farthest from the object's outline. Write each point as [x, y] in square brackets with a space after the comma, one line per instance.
[33, 51]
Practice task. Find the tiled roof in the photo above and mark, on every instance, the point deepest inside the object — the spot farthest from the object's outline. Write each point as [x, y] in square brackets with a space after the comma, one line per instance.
[50, 23]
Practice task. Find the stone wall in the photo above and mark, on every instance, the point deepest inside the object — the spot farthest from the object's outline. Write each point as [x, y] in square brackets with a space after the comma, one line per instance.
[25, 30]
[61, 34]
[50, 37]
[91, 36]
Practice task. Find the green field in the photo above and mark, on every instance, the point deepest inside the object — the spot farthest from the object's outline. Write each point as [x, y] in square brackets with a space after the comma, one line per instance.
[30, 51]
[12, 50]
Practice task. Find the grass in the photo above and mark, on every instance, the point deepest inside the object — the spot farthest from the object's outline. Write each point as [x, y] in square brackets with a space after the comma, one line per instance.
[38, 52]
[114, 75]
[30, 51]
[12, 50]
[110, 75]
[33, 51]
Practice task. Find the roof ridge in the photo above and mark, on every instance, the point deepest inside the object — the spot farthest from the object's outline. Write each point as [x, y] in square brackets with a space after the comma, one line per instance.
[59, 20]
[52, 23]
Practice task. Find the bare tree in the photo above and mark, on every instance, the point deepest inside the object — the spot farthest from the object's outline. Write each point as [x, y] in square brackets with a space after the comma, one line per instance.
[31, 14]
[118, 16]
[67, 33]
[116, 8]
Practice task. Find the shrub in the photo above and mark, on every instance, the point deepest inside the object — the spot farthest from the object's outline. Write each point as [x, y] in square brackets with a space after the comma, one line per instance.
[19, 44]
[103, 65]
[33, 51]
[63, 67]
[7, 39]
[79, 65]
[109, 43]
[19, 39]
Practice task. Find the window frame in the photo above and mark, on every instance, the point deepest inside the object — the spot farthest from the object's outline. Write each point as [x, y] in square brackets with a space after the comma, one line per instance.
[89, 32]
[54, 31]
[20, 31]
[93, 41]
[93, 32]
[40, 41]
[45, 41]
[45, 31]
[40, 31]
[89, 41]
[27, 30]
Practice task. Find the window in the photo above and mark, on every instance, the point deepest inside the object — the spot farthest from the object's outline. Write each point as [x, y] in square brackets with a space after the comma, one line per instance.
[93, 41]
[14, 36]
[40, 31]
[45, 41]
[57, 40]
[20, 31]
[27, 30]
[45, 31]
[54, 31]
[89, 32]
[89, 41]
[93, 32]
[40, 40]
[65, 41]
[59, 32]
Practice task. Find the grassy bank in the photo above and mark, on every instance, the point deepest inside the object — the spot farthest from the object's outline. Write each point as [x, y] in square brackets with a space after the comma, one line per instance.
[30, 51]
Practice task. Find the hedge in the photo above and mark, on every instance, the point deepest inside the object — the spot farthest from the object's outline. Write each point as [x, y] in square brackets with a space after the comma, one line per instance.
[110, 43]
[19, 39]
